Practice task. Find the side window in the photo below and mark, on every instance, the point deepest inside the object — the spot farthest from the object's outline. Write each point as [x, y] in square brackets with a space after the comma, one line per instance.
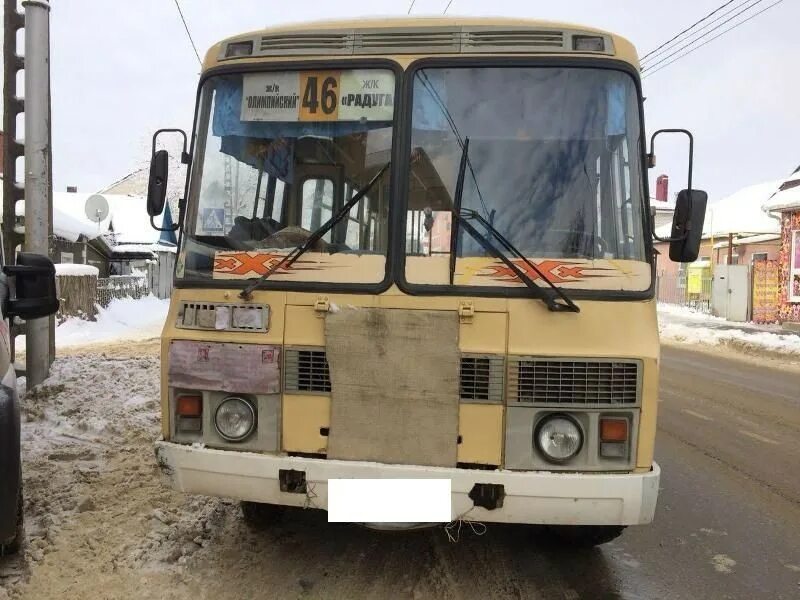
[317, 205]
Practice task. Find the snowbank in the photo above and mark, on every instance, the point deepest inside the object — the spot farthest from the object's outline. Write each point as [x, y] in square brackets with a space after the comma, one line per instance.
[73, 269]
[683, 325]
[124, 319]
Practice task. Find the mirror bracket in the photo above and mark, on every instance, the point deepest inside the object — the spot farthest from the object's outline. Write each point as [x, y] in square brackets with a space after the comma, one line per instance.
[651, 162]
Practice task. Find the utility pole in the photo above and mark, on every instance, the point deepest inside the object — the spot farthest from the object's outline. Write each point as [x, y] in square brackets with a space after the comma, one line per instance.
[38, 210]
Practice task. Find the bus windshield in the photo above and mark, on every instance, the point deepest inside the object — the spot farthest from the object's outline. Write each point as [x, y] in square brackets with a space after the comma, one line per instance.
[554, 165]
[277, 154]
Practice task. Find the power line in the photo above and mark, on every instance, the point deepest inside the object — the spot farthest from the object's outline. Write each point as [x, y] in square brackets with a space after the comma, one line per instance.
[444, 12]
[713, 12]
[698, 38]
[186, 27]
[742, 22]
[410, 6]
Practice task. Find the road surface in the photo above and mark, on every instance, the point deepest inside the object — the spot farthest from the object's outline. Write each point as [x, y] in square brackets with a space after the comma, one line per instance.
[102, 526]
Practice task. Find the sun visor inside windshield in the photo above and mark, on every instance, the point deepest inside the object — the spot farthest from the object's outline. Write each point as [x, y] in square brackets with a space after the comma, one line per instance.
[525, 104]
[239, 137]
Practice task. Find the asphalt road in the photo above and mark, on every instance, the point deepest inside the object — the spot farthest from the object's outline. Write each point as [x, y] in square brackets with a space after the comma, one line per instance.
[728, 517]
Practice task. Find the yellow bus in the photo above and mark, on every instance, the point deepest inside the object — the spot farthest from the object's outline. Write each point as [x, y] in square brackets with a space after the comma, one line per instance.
[419, 249]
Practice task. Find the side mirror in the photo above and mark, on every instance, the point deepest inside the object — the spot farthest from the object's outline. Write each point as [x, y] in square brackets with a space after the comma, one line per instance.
[687, 225]
[33, 281]
[157, 186]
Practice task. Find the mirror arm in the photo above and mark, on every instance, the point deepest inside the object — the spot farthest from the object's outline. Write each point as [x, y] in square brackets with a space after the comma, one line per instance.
[185, 156]
[651, 160]
[174, 227]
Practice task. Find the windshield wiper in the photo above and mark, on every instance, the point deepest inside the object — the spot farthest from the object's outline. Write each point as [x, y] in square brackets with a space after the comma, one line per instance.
[462, 218]
[288, 260]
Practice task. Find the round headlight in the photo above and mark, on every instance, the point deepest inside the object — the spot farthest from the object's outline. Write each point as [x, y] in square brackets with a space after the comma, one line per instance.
[235, 419]
[558, 438]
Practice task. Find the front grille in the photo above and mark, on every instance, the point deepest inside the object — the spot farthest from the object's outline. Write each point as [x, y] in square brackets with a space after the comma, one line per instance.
[306, 371]
[207, 315]
[534, 380]
[481, 378]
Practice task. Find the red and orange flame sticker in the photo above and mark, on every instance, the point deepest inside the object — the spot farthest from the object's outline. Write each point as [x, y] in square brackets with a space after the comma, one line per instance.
[556, 271]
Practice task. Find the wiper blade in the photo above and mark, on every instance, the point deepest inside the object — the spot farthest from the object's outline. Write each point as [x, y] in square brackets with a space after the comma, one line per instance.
[566, 304]
[288, 260]
[459, 192]
[459, 218]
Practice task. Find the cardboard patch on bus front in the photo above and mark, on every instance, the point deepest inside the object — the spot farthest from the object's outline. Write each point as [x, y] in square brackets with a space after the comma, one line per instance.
[311, 266]
[394, 385]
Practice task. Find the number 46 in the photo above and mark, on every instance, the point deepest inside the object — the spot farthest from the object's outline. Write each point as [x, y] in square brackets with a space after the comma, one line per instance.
[324, 97]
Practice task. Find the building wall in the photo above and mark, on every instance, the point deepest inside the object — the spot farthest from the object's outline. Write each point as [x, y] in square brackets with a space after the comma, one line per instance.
[743, 253]
[61, 249]
[665, 267]
[789, 311]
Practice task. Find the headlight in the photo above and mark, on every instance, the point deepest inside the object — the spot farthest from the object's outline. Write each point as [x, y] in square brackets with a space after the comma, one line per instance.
[235, 419]
[558, 438]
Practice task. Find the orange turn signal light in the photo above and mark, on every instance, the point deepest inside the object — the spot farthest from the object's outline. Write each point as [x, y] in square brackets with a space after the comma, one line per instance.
[613, 430]
[189, 406]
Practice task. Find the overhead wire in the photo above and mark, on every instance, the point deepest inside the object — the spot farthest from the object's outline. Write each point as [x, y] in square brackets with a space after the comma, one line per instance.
[410, 6]
[739, 24]
[692, 26]
[444, 12]
[689, 43]
[188, 33]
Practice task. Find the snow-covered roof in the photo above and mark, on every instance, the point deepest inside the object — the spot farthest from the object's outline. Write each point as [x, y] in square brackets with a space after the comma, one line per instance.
[738, 214]
[132, 249]
[69, 223]
[787, 197]
[127, 216]
[752, 239]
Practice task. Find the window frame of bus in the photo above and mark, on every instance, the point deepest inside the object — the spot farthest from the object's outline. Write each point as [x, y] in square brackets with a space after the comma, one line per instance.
[192, 181]
[421, 289]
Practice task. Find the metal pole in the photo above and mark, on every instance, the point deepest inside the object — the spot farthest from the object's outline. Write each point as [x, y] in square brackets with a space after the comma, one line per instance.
[37, 169]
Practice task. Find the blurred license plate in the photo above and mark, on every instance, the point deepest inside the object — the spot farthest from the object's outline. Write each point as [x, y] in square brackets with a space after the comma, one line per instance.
[389, 501]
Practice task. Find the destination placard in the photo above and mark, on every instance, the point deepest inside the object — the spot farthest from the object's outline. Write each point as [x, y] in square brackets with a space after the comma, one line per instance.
[350, 95]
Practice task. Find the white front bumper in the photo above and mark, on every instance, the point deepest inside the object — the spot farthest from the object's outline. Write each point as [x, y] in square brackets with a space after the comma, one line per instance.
[530, 497]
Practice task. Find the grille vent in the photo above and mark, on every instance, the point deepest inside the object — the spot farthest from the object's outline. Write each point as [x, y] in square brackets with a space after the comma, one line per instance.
[203, 315]
[306, 371]
[481, 378]
[306, 43]
[423, 40]
[407, 41]
[521, 40]
[573, 382]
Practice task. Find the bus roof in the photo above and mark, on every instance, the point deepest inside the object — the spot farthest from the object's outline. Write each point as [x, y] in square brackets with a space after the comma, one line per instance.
[408, 38]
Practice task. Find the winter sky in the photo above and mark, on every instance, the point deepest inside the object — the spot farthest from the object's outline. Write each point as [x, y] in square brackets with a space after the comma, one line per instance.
[120, 70]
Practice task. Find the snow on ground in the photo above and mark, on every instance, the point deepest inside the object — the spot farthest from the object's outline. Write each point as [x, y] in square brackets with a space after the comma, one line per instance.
[123, 319]
[684, 325]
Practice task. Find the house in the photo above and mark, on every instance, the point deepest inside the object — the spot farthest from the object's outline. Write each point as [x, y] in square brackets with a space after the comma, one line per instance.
[736, 230]
[122, 243]
[784, 205]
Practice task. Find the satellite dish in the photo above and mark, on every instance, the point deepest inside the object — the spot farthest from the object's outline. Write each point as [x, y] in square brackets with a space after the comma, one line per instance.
[96, 208]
